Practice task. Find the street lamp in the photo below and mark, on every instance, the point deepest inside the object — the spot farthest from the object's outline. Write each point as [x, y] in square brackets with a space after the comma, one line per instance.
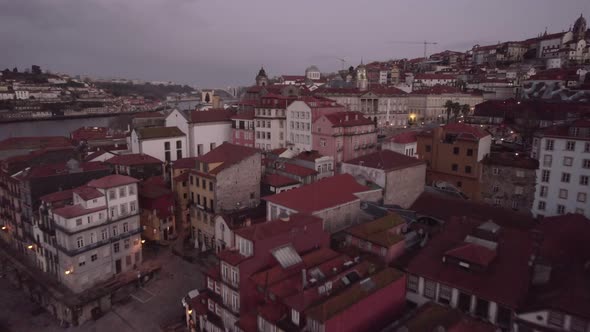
[30, 246]
[3, 228]
[142, 241]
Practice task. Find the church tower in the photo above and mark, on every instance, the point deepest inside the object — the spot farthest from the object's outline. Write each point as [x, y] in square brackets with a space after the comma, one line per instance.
[580, 28]
[261, 78]
[362, 82]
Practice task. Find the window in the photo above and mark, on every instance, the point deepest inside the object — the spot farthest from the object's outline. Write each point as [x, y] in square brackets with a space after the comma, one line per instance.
[468, 169]
[495, 188]
[94, 257]
[196, 182]
[210, 185]
[179, 144]
[204, 184]
[80, 242]
[563, 193]
[427, 148]
[541, 206]
[496, 171]
[497, 201]
[543, 191]
[587, 147]
[295, 317]
[584, 180]
[582, 197]
[413, 283]
[79, 222]
[547, 160]
[81, 261]
[122, 191]
[518, 190]
[167, 156]
[429, 289]
[126, 243]
[212, 146]
[113, 211]
[555, 319]
[454, 167]
[115, 230]
[112, 194]
[560, 209]
[545, 175]
[132, 189]
[166, 145]
[515, 204]
[116, 247]
[128, 260]
[125, 227]
[469, 152]
[549, 145]
[92, 237]
[586, 163]
[455, 150]
[568, 161]
[565, 177]
[123, 209]
[133, 206]
[103, 234]
[444, 294]
[570, 145]
[482, 308]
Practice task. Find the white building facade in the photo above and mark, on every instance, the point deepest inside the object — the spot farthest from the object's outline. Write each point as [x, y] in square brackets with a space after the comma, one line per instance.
[165, 143]
[300, 116]
[563, 177]
[269, 123]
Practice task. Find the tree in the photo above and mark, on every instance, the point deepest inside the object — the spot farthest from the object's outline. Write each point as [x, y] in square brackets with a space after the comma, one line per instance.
[448, 109]
[465, 109]
[15, 70]
[456, 111]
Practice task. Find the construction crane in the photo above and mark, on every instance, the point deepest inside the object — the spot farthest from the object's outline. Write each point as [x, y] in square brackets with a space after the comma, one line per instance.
[342, 61]
[425, 43]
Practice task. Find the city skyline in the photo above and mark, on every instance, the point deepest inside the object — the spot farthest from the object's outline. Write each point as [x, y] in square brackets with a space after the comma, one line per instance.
[212, 44]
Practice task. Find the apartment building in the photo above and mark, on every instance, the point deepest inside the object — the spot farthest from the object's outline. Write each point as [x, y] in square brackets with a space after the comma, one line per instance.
[563, 177]
[270, 122]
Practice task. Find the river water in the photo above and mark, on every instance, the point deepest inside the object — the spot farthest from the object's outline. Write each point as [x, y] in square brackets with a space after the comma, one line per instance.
[50, 127]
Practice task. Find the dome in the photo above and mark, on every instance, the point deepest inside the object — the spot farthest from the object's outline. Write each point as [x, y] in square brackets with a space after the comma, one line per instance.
[312, 68]
[580, 23]
[262, 72]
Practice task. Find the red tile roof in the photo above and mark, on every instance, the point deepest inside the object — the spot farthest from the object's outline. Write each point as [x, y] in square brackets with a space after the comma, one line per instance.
[133, 159]
[473, 253]
[380, 231]
[34, 142]
[152, 190]
[61, 168]
[444, 207]
[404, 138]
[182, 177]
[94, 133]
[309, 155]
[277, 180]
[348, 119]
[148, 115]
[298, 170]
[227, 154]
[386, 160]
[323, 194]
[189, 162]
[246, 115]
[218, 115]
[274, 227]
[435, 77]
[73, 211]
[158, 132]
[58, 196]
[95, 154]
[87, 193]
[111, 181]
[506, 280]
[465, 131]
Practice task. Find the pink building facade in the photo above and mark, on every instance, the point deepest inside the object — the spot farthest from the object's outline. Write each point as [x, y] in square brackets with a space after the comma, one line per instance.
[242, 129]
[344, 135]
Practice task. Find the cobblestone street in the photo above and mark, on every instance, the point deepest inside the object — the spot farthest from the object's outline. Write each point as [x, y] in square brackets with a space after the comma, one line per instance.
[147, 309]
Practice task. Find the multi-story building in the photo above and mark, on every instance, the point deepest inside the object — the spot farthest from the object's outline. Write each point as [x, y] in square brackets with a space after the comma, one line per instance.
[301, 114]
[427, 105]
[404, 143]
[509, 179]
[165, 143]
[243, 129]
[157, 212]
[386, 106]
[270, 122]
[344, 135]
[453, 155]
[16, 146]
[335, 199]
[180, 185]
[96, 237]
[563, 177]
[401, 177]
[423, 81]
[137, 165]
[205, 130]
[224, 180]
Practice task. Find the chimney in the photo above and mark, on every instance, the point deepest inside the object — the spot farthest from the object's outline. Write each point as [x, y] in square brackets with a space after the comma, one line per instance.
[304, 278]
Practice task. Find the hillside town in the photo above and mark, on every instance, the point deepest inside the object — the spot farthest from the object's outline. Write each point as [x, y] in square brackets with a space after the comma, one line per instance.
[449, 192]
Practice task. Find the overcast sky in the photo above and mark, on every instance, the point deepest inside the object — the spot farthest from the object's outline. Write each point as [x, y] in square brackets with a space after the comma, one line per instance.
[216, 43]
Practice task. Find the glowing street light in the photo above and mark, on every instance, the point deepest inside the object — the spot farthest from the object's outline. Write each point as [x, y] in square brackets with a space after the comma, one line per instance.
[68, 272]
[3, 228]
[142, 241]
[190, 311]
[30, 246]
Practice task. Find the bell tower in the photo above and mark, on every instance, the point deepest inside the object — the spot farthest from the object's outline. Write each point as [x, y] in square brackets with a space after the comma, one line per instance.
[362, 82]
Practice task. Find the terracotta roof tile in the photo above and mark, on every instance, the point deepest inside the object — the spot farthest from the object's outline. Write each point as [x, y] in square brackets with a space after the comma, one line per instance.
[111, 181]
[189, 162]
[227, 154]
[64, 195]
[87, 193]
[405, 138]
[73, 211]
[34, 142]
[158, 132]
[133, 159]
[320, 195]
[274, 227]
[219, 115]
[277, 180]
[386, 160]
